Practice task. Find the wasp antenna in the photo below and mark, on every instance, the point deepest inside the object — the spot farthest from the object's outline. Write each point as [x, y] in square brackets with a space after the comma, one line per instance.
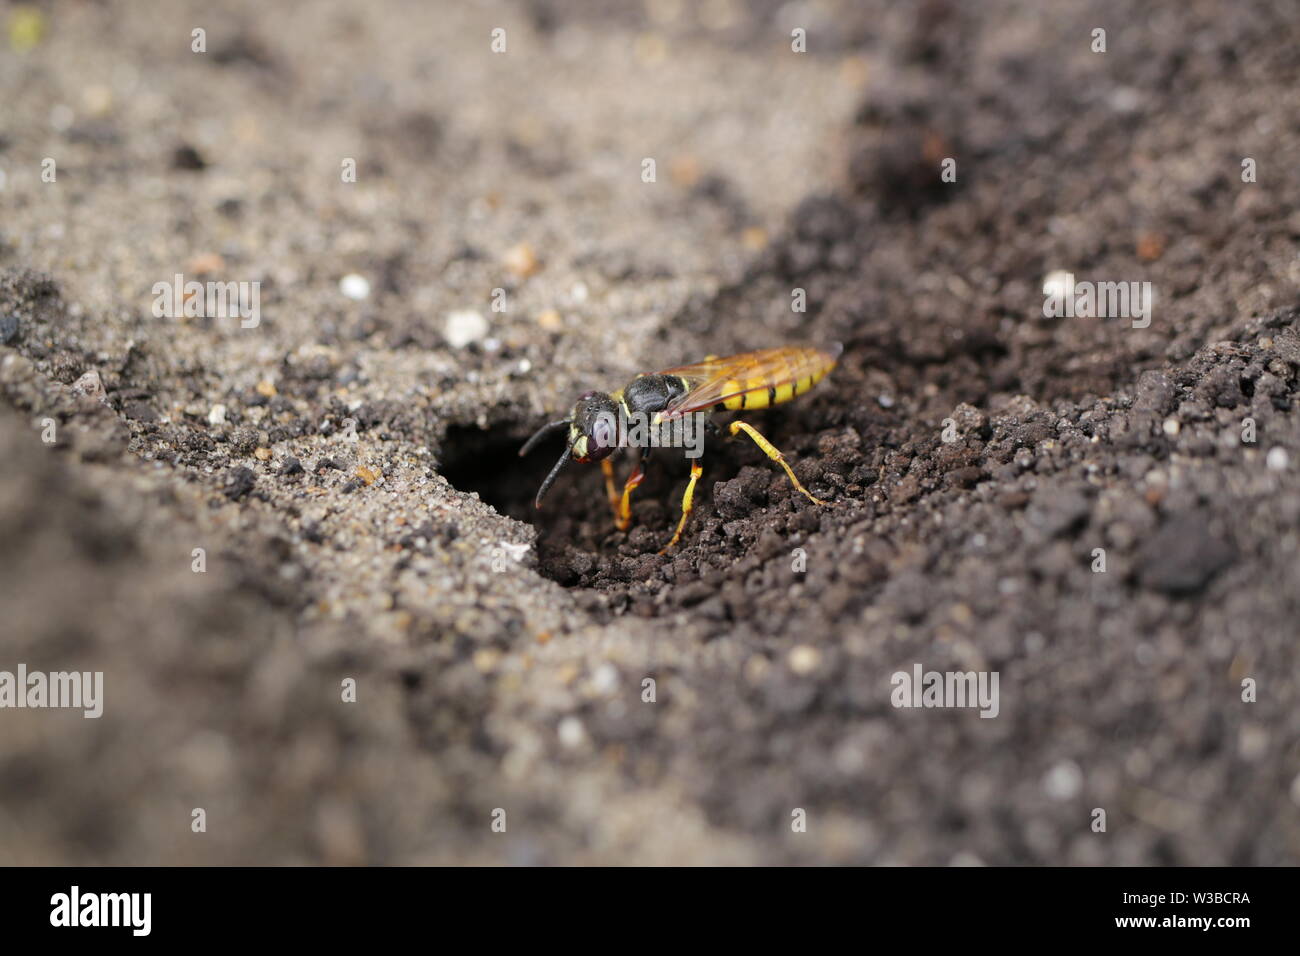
[542, 433]
[550, 479]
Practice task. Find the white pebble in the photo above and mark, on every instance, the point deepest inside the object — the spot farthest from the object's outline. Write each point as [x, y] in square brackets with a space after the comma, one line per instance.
[886, 401]
[1171, 427]
[1277, 459]
[605, 680]
[1125, 100]
[1056, 283]
[463, 327]
[91, 385]
[62, 117]
[1063, 781]
[217, 416]
[572, 733]
[355, 286]
[804, 659]
[525, 366]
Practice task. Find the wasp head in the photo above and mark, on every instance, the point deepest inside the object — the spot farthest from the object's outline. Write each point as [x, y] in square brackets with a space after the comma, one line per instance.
[593, 434]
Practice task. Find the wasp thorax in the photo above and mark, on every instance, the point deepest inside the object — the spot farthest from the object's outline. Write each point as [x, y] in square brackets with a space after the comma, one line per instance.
[594, 432]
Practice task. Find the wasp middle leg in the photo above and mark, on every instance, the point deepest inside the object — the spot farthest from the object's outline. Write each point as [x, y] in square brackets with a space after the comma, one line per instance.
[688, 502]
[771, 451]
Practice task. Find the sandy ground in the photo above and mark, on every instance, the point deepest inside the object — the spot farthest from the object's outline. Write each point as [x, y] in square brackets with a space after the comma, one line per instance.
[348, 465]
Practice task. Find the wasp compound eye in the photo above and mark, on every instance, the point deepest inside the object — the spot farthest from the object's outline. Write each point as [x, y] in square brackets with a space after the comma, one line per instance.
[602, 432]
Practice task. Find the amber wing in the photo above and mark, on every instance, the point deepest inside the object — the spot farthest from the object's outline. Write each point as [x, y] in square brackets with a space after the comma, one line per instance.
[751, 379]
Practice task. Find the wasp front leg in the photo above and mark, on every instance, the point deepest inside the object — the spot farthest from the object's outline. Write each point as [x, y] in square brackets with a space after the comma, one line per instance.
[623, 511]
[611, 487]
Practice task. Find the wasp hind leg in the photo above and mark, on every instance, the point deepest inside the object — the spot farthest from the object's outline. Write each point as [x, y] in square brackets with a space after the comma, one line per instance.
[771, 451]
[688, 502]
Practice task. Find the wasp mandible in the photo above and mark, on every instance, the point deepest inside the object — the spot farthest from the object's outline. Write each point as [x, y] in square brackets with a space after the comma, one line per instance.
[750, 380]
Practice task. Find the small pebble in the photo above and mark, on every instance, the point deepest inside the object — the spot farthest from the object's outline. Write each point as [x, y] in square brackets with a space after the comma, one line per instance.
[1277, 459]
[1056, 283]
[804, 659]
[572, 733]
[206, 264]
[605, 680]
[262, 454]
[463, 327]
[90, 385]
[355, 287]
[521, 260]
[217, 416]
[1171, 427]
[1063, 781]
[550, 320]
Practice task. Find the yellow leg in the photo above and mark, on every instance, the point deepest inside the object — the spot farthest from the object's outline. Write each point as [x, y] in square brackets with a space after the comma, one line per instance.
[623, 511]
[770, 450]
[611, 490]
[688, 502]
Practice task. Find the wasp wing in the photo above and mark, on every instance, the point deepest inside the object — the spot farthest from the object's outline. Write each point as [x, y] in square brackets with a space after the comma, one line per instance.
[726, 381]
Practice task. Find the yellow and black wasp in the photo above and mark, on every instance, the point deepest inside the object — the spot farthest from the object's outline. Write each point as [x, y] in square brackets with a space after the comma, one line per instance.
[750, 380]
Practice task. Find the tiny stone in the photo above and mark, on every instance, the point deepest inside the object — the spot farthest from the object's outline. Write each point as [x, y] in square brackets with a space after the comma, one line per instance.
[463, 327]
[1063, 781]
[605, 680]
[1056, 283]
[571, 732]
[521, 260]
[1171, 427]
[1277, 458]
[217, 416]
[355, 287]
[804, 659]
[90, 385]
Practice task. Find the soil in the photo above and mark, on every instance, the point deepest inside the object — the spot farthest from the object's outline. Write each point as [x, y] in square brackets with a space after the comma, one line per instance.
[349, 465]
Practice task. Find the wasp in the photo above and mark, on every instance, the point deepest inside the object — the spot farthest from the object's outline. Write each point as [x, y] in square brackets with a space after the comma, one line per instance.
[751, 380]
